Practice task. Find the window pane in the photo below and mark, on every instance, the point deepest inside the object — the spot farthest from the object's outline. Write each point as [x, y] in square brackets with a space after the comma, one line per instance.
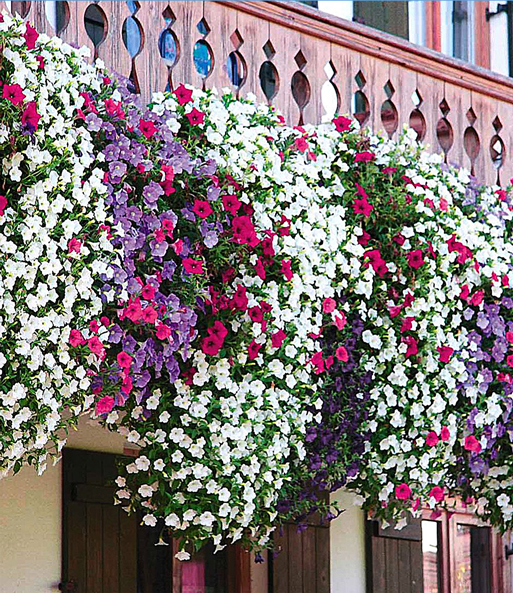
[205, 572]
[431, 556]
[472, 559]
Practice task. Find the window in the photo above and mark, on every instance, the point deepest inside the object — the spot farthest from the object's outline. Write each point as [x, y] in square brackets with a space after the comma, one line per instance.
[431, 556]
[457, 29]
[460, 555]
[391, 17]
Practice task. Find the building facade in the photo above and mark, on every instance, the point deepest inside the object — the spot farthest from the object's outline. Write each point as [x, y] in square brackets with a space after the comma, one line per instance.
[440, 67]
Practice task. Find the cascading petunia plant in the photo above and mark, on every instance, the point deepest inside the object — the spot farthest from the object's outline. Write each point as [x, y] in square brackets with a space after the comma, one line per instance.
[269, 312]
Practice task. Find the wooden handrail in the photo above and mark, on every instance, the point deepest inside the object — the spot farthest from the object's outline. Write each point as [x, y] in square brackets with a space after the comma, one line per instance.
[308, 64]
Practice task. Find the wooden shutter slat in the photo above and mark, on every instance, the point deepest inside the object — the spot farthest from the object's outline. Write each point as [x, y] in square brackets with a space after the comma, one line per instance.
[295, 559]
[127, 553]
[309, 559]
[94, 548]
[111, 545]
[281, 562]
[322, 555]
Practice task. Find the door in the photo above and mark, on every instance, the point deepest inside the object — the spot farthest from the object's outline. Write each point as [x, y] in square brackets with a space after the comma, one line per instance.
[302, 564]
[394, 558]
[107, 551]
[104, 549]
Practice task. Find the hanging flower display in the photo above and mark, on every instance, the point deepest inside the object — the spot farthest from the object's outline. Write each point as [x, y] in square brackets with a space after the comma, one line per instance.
[268, 312]
[52, 242]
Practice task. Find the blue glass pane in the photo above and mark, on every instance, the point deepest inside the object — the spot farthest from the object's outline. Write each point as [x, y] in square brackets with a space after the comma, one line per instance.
[202, 58]
[132, 6]
[235, 69]
[131, 36]
[168, 47]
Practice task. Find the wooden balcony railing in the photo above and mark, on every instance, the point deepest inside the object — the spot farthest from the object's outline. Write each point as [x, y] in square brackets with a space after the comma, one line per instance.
[307, 63]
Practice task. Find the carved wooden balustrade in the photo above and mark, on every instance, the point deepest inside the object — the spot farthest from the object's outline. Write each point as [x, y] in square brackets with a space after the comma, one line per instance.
[307, 63]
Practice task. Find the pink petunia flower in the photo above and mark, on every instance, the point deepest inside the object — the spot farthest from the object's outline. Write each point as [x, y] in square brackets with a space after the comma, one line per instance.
[415, 259]
[445, 353]
[74, 245]
[195, 117]
[13, 93]
[341, 354]
[163, 331]
[183, 94]
[402, 491]
[105, 404]
[342, 124]
[31, 36]
[362, 206]
[193, 266]
[76, 338]
[202, 208]
[437, 493]
[432, 439]
[328, 305]
[472, 444]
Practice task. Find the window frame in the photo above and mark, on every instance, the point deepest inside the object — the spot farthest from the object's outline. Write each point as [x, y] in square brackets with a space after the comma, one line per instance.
[449, 523]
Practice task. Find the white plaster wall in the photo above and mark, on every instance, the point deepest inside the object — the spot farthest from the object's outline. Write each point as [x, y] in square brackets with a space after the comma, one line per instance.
[499, 57]
[30, 519]
[347, 542]
[341, 8]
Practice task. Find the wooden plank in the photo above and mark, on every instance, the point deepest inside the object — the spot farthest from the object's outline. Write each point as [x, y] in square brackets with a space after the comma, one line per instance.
[94, 553]
[412, 531]
[295, 560]
[74, 544]
[417, 585]
[281, 562]
[404, 566]
[392, 565]
[127, 553]
[309, 560]
[93, 493]
[378, 582]
[111, 549]
[322, 559]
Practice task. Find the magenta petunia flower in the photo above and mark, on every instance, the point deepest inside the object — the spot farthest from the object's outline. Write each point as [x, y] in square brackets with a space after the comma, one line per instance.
[195, 117]
[402, 491]
[31, 36]
[183, 95]
[362, 206]
[415, 259]
[342, 124]
[13, 93]
[202, 208]
[193, 266]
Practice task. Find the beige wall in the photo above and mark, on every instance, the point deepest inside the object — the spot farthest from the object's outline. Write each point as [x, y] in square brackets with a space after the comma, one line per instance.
[30, 528]
[30, 519]
[347, 541]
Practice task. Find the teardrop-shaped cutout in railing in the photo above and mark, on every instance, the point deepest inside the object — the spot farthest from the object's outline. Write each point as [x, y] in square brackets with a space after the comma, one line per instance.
[417, 122]
[168, 47]
[471, 144]
[300, 89]
[236, 69]
[203, 58]
[269, 80]
[330, 99]
[132, 35]
[389, 117]
[497, 151]
[57, 14]
[361, 107]
[444, 134]
[95, 23]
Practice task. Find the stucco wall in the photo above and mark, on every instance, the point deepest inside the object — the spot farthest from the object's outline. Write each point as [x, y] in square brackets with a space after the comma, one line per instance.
[347, 541]
[30, 519]
[30, 529]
